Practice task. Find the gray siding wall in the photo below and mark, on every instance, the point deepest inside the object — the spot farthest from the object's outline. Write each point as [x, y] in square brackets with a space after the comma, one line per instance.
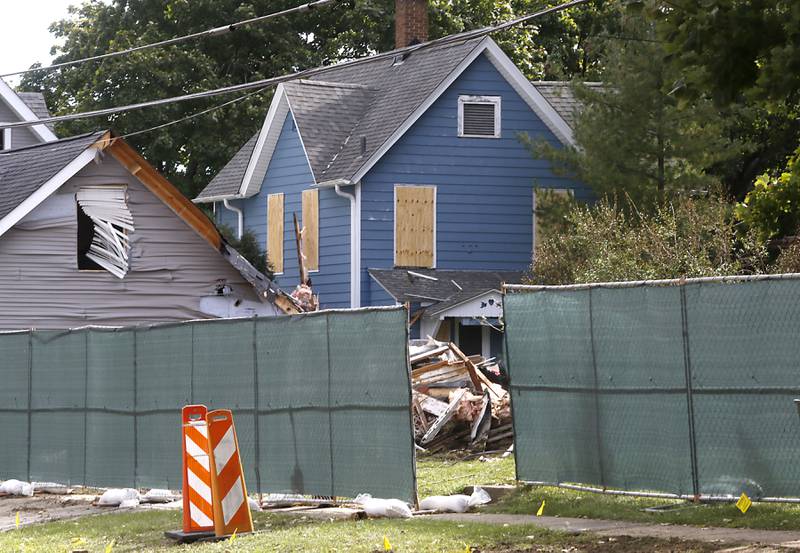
[21, 136]
[172, 268]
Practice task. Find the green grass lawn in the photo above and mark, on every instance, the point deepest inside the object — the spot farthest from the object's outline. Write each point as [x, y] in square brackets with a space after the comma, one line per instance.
[444, 475]
[143, 530]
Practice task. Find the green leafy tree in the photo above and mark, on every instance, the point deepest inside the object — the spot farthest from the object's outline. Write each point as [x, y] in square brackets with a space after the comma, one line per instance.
[563, 45]
[633, 138]
[189, 153]
[743, 53]
[772, 208]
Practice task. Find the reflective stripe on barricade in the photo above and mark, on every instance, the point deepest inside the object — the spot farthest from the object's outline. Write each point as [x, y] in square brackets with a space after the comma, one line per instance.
[198, 512]
[231, 510]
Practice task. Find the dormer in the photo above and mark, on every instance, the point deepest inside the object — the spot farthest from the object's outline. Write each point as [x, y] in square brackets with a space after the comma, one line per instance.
[16, 107]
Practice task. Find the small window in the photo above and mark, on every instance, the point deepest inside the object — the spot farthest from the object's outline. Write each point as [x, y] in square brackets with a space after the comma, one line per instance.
[479, 116]
[5, 139]
[104, 222]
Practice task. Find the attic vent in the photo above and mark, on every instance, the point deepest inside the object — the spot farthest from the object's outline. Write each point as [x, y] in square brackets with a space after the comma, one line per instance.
[479, 116]
[104, 243]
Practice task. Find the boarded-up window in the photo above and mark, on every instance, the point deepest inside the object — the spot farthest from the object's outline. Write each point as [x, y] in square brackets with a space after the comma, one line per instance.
[414, 226]
[311, 229]
[550, 206]
[275, 232]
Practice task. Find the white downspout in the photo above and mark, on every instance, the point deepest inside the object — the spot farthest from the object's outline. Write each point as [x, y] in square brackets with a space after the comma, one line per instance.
[355, 242]
[239, 218]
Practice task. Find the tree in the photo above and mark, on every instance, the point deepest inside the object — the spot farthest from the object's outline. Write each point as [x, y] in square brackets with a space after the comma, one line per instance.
[743, 53]
[772, 208]
[190, 153]
[633, 138]
[563, 45]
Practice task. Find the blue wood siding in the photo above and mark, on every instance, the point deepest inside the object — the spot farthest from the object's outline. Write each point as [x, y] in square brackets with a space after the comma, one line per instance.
[484, 187]
[288, 172]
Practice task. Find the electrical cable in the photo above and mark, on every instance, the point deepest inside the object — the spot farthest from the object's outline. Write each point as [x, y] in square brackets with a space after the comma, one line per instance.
[224, 29]
[269, 82]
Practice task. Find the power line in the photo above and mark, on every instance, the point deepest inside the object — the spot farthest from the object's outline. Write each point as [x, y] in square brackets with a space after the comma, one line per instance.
[193, 115]
[267, 83]
[201, 34]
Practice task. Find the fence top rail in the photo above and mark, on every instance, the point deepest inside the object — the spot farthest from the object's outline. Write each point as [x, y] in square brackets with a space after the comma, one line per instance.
[640, 283]
[149, 326]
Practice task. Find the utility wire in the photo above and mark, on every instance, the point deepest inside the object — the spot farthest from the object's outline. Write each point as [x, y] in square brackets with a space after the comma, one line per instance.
[193, 115]
[201, 34]
[267, 83]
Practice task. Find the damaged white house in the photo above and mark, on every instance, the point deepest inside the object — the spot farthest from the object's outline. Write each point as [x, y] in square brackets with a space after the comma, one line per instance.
[90, 233]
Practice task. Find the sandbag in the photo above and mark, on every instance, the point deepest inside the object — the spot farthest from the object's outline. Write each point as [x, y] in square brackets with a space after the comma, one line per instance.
[388, 508]
[458, 503]
[115, 496]
[129, 503]
[158, 496]
[17, 487]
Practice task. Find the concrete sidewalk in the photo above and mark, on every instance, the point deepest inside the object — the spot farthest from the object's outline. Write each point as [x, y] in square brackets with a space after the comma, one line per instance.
[722, 536]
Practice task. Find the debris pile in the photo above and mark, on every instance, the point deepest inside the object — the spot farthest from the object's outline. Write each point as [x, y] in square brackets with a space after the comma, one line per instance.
[455, 403]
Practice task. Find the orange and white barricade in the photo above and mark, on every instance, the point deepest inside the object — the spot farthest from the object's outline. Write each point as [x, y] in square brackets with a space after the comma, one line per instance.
[198, 511]
[231, 509]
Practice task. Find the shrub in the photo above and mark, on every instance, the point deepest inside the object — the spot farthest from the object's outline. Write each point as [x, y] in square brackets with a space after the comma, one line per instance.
[685, 238]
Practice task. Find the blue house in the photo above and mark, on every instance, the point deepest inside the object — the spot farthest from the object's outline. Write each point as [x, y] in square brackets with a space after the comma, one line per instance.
[409, 179]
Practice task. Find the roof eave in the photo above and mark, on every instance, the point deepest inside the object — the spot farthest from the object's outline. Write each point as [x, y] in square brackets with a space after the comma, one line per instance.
[25, 113]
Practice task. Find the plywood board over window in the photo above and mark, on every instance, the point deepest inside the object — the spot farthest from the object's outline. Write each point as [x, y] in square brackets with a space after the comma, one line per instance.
[415, 226]
[275, 232]
[311, 229]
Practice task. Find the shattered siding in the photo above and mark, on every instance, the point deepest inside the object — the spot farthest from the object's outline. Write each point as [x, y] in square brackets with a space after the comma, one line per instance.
[172, 268]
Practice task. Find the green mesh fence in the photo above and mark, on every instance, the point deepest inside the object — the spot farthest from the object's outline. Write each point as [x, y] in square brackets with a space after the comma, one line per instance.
[321, 402]
[684, 388]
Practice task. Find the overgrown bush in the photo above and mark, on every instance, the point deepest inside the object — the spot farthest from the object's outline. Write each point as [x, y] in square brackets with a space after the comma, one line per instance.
[685, 238]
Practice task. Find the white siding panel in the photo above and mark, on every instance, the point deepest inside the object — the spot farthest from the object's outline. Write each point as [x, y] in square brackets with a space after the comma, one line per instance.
[172, 268]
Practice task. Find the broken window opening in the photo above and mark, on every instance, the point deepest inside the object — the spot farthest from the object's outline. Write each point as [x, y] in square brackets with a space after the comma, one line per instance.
[104, 222]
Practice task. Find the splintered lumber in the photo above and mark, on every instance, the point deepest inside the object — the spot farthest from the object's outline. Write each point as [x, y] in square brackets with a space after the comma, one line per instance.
[416, 373]
[435, 407]
[427, 354]
[423, 420]
[469, 364]
[443, 374]
[444, 417]
[480, 426]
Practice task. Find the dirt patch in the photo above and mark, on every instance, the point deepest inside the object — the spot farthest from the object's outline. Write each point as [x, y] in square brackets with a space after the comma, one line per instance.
[614, 545]
[43, 508]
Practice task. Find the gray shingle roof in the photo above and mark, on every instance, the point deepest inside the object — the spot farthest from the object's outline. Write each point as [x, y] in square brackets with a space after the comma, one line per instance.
[35, 101]
[326, 114]
[228, 180]
[341, 110]
[25, 170]
[559, 94]
[403, 286]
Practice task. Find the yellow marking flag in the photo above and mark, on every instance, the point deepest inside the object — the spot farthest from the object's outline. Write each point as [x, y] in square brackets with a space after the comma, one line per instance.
[467, 549]
[386, 545]
[17, 519]
[233, 536]
[110, 546]
[540, 512]
[744, 503]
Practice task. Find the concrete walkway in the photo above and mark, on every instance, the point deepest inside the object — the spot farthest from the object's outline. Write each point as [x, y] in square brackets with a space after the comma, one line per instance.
[722, 536]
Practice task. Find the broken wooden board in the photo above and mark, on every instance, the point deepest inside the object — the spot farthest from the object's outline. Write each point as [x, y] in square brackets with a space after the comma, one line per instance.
[444, 417]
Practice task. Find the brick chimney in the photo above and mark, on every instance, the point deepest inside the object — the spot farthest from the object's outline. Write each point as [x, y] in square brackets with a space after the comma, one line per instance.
[410, 22]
